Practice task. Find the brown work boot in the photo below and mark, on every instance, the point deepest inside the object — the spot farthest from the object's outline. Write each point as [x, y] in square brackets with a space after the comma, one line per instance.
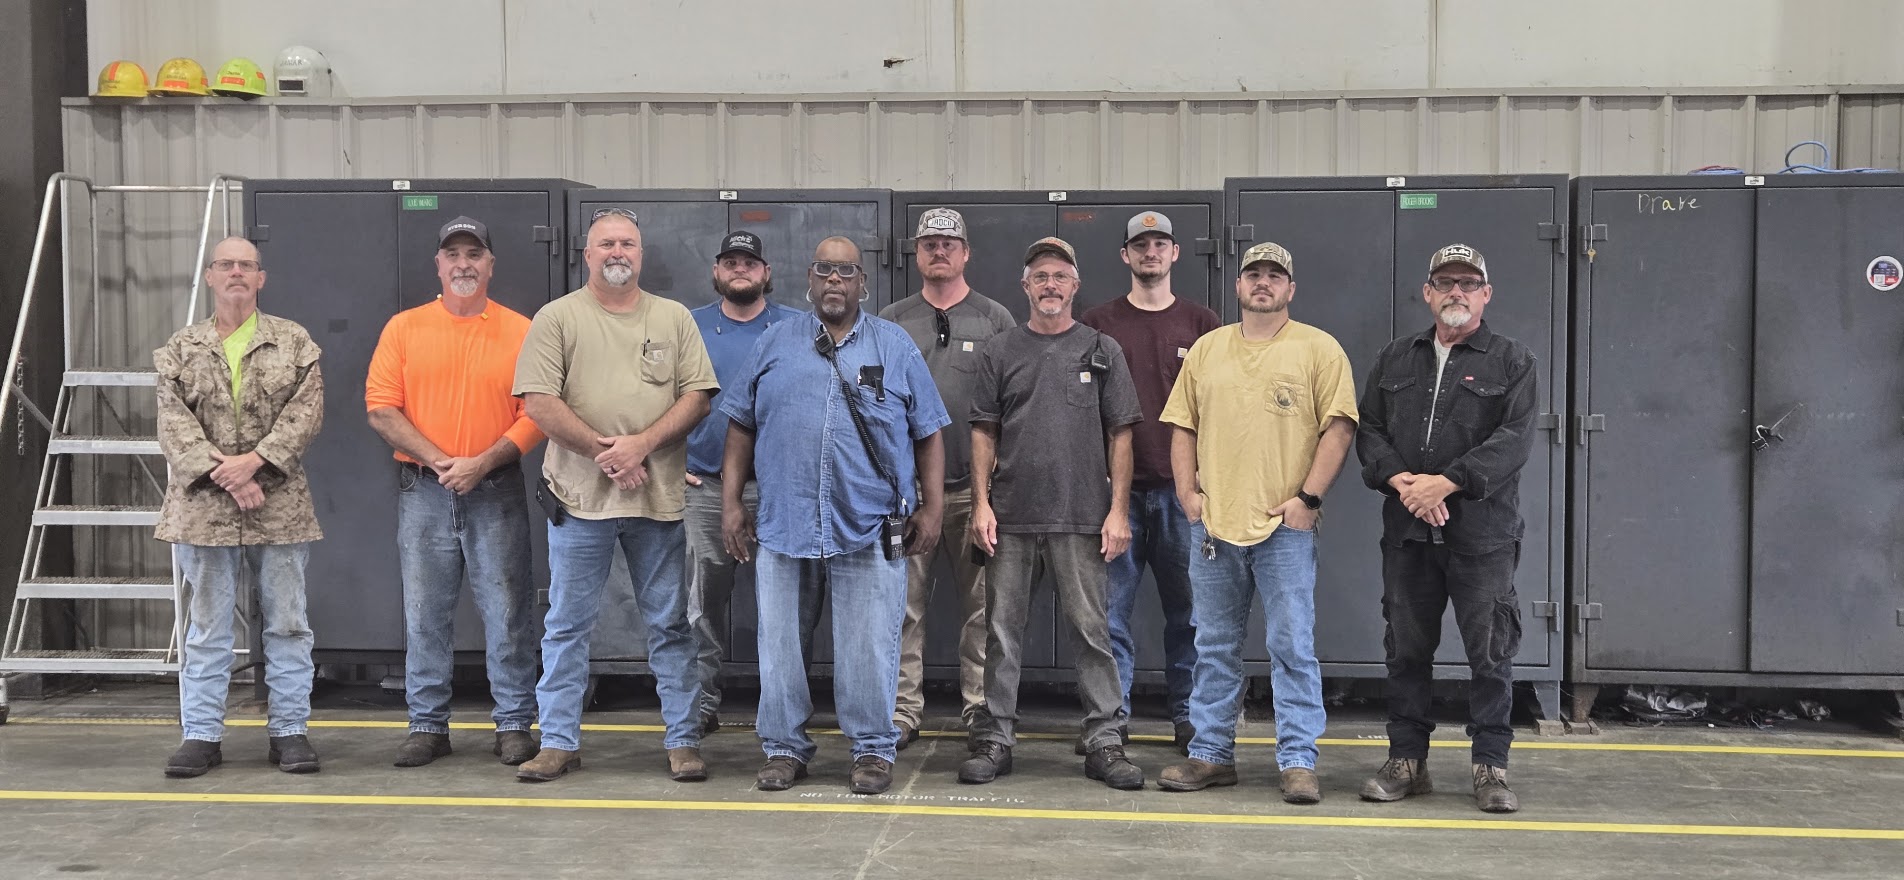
[1195, 775]
[1491, 793]
[516, 746]
[780, 773]
[1397, 779]
[908, 734]
[872, 774]
[549, 764]
[419, 749]
[1301, 787]
[685, 764]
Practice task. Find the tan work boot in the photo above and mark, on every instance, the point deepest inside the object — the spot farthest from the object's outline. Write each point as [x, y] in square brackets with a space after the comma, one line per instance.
[685, 764]
[1397, 779]
[1491, 793]
[549, 764]
[1300, 786]
[1195, 775]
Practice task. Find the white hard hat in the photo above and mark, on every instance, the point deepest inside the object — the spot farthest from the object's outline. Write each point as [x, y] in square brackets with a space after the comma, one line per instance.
[302, 71]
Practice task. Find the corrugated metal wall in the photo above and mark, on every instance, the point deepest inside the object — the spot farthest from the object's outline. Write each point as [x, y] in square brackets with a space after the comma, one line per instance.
[916, 142]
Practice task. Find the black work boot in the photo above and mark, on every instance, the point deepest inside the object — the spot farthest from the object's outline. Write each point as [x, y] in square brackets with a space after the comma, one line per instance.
[1397, 779]
[293, 754]
[1112, 767]
[990, 760]
[908, 734]
[195, 757]
[1123, 736]
[419, 749]
[710, 722]
[1184, 732]
[872, 774]
[1491, 793]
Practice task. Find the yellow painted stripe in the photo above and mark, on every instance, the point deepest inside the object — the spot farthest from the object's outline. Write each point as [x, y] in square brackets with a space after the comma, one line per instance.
[874, 807]
[1519, 745]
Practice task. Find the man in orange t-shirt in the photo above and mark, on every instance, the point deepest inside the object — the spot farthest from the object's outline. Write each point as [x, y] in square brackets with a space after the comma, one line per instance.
[439, 393]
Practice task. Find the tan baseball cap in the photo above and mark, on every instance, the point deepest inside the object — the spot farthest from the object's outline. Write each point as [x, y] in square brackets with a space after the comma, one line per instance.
[1054, 246]
[1458, 253]
[941, 221]
[1271, 251]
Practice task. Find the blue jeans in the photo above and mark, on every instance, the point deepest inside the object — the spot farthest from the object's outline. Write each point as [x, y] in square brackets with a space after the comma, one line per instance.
[276, 571]
[442, 536]
[580, 552]
[1282, 570]
[868, 594]
[1160, 538]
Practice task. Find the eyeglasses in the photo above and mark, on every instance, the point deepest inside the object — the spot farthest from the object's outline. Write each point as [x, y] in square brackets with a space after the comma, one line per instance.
[945, 326]
[228, 265]
[1043, 278]
[619, 212]
[847, 271]
[1468, 285]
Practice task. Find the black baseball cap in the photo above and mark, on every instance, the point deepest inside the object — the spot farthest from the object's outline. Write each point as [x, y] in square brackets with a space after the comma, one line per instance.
[743, 241]
[463, 226]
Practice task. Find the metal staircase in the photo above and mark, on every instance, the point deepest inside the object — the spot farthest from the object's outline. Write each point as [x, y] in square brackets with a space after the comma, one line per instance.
[84, 400]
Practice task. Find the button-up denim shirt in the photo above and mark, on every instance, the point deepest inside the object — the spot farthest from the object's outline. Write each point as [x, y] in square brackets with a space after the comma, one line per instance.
[819, 493]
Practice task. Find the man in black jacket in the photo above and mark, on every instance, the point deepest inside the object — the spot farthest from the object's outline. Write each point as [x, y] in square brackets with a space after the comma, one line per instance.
[1447, 424]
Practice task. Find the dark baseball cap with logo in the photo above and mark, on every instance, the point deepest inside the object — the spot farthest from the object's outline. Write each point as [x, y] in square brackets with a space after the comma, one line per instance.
[741, 241]
[463, 226]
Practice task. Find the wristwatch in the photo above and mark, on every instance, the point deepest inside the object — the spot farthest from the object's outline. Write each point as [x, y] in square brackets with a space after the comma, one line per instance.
[1313, 502]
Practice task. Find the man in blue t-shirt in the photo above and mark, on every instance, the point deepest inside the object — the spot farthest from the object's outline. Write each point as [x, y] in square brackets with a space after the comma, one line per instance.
[730, 326]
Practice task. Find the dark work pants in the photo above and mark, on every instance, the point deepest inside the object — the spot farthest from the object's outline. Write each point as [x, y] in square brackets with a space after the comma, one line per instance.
[1419, 580]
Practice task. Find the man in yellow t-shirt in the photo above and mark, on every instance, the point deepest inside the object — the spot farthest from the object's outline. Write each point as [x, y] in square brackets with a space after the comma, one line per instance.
[616, 376]
[1264, 414]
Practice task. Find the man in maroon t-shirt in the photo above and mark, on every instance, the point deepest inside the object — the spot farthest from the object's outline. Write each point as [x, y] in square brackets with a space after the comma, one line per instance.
[1156, 330]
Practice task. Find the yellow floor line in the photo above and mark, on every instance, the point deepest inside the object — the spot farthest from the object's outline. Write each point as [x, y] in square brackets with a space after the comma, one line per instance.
[874, 807]
[1519, 744]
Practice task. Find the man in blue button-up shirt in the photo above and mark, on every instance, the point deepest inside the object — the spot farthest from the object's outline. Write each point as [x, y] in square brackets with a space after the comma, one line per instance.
[823, 502]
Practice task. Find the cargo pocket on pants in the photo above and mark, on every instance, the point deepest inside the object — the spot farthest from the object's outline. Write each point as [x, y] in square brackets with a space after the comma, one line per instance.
[1504, 637]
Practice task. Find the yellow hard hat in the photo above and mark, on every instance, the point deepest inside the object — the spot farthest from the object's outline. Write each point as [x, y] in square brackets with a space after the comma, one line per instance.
[121, 79]
[180, 76]
[241, 77]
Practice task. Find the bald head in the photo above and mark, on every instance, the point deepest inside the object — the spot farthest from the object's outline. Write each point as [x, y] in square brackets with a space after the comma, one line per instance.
[836, 283]
[837, 249]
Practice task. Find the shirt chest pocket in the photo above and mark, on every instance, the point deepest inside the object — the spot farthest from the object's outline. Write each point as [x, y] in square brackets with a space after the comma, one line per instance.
[657, 363]
[1286, 396]
[1478, 400]
[962, 354]
[1170, 355]
[274, 375]
[1081, 387]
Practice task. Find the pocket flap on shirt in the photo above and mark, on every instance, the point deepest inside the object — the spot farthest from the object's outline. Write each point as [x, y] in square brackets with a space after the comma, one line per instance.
[1397, 383]
[1483, 386]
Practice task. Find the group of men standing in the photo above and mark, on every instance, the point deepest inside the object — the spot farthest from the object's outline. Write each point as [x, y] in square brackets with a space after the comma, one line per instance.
[840, 454]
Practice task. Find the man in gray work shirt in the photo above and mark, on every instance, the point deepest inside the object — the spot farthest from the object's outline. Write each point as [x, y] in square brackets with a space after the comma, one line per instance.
[949, 321]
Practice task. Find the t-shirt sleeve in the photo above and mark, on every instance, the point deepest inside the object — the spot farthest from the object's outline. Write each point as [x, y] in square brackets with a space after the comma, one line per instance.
[542, 368]
[1207, 320]
[1181, 408]
[1334, 385]
[693, 369]
[1120, 404]
[737, 402]
[1002, 319]
[383, 387]
[986, 406]
[925, 412]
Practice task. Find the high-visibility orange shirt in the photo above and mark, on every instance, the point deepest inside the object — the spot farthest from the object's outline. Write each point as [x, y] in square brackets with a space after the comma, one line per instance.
[452, 377]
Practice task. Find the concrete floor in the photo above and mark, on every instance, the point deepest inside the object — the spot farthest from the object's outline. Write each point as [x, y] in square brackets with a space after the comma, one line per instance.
[81, 793]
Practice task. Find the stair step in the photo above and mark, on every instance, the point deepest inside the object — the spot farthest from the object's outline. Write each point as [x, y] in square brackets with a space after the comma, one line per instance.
[155, 588]
[96, 660]
[148, 378]
[108, 515]
[75, 444]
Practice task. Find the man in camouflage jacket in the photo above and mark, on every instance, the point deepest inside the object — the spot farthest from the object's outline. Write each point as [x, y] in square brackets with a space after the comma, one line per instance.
[240, 399]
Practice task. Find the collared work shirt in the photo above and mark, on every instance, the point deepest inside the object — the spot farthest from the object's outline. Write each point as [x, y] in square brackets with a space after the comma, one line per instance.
[820, 495]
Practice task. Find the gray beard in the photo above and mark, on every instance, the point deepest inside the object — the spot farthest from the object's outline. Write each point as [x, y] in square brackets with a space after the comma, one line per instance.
[1456, 317]
[617, 274]
[463, 286]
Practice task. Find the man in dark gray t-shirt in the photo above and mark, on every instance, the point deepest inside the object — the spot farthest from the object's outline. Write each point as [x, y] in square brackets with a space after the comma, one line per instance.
[1052, 410]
